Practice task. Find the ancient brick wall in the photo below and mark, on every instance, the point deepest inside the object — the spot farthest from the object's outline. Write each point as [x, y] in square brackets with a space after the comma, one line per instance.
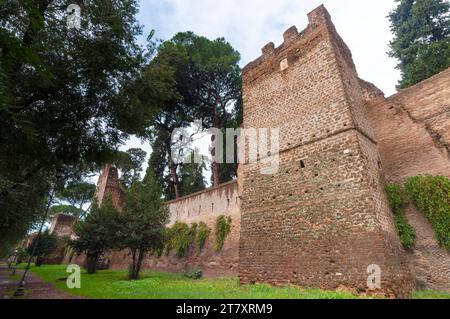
[412, 128]
[205, 207]
[108, 184]
[62, 227]
[323, 218]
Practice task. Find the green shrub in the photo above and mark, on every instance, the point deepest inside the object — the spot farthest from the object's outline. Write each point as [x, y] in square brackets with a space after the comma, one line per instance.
[396, 200]
[202, 235]
[180, 239]
[223, 228]
[431, 194]
[405, 230]
[196, 273]
[167, 248]
[194, 227]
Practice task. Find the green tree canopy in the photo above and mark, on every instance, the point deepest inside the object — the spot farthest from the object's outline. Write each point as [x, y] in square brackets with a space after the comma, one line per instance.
[77, 194]
[421, 39]
[65, 209]
[218, 80]
[191, 174]
[96, 233]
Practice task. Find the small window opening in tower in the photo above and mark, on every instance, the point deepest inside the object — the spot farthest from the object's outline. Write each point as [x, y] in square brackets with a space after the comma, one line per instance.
[284, 64]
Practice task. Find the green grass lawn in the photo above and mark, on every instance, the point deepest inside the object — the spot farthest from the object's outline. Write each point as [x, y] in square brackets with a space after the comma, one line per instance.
[113, 284]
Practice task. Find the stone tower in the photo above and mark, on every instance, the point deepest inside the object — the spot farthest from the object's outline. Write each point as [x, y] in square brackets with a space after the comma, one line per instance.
[323, 219]
[108, 184]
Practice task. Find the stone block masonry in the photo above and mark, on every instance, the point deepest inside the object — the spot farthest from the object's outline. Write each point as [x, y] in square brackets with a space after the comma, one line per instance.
[205, 206]
[412, 128]
[323, 219]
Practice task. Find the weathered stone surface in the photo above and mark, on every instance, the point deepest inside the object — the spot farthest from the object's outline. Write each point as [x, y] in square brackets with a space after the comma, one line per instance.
[62, 225]
[430, 262]
[108, 184]
[324, 217]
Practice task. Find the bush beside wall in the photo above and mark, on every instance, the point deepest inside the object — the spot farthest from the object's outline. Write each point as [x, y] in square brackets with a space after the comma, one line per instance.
[397, 201]
[431, 194]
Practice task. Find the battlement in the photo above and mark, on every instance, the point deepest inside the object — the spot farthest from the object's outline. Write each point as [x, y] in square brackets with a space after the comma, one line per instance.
[294, 45]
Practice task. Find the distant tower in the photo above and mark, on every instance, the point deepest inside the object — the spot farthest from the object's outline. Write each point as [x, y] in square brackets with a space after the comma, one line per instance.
[323, 219]
[108, 183]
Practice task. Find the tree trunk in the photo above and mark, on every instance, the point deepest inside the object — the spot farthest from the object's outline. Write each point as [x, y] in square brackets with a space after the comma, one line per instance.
[174, 174]
[133, 262]
[139, 263]
[91, 263]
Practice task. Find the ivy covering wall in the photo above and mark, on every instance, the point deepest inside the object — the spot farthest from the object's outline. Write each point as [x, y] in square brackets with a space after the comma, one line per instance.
[202, 235]
[397, 202]
[431, 195]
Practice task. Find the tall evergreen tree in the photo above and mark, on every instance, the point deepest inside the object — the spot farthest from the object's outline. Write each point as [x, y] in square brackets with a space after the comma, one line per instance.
[157, 165]
[216, 65]
[206, 86]
[421, 41]
[65, 98]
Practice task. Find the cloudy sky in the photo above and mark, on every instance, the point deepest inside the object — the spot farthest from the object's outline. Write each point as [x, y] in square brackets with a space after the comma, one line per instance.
[249, 24]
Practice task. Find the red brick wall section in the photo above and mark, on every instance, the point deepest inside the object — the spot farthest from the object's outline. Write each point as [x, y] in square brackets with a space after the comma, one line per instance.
[323, 219]
[431, 263]
[108, 183]
[412, 128]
